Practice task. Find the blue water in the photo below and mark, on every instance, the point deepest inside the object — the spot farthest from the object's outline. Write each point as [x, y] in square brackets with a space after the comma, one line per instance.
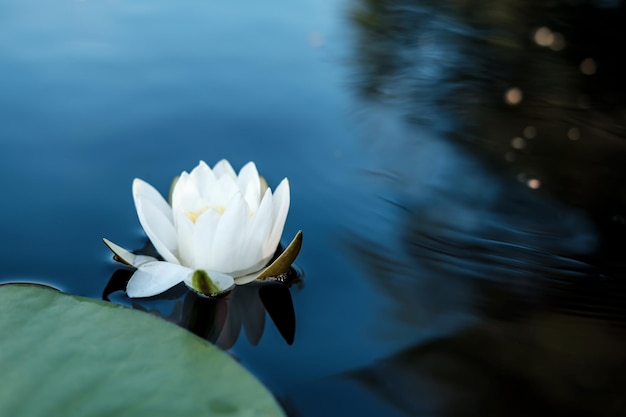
[463, 255]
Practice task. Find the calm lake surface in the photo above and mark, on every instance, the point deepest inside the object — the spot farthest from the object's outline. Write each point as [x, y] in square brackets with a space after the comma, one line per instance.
[458, 169]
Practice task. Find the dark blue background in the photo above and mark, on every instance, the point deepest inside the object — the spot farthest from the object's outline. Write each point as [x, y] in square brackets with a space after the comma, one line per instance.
[436, 280]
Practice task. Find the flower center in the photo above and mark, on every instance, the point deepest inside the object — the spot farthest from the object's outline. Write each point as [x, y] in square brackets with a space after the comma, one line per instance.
[194, 214]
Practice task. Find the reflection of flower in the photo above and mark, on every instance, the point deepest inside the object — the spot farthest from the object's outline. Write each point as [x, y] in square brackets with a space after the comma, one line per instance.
[220, 320]
[221, 228]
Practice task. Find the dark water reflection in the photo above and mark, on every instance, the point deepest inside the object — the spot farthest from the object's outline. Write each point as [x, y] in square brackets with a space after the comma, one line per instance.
[457, 168]
[221, 319]
[509, 197]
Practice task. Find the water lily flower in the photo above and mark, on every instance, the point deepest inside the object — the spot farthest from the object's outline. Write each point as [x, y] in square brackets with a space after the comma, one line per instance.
[220, 229]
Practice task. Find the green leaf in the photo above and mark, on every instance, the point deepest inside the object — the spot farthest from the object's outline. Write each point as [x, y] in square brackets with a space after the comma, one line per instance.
[62, 355]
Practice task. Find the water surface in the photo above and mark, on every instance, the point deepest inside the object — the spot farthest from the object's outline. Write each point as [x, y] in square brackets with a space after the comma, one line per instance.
[457, 169]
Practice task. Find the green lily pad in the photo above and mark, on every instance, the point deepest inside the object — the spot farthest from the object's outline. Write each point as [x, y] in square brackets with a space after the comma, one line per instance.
[62, 355]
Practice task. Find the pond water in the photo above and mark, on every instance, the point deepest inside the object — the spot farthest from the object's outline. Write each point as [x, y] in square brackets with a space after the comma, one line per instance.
[457, 169]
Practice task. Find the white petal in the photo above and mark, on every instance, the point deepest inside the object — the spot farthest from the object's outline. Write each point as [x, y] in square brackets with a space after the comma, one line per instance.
[206, 227]
[223, 281]
[246, 279]
[227, 189]
[258, 234]
[126, 256]
[154, 278]
[185, 230]
[204, 181]
[185, 197]
[158, 227]
[263, 220]
[149, 193]
[280, 210]
[250, 185]
[223, 168]
[255, 268]
[230, 236]
[280, 265]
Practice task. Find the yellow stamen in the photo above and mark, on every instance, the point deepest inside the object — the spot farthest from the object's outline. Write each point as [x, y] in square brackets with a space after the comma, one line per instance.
[193, 215]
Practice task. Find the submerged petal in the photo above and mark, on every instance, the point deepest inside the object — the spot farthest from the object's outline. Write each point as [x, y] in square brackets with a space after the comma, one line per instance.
[156, 277]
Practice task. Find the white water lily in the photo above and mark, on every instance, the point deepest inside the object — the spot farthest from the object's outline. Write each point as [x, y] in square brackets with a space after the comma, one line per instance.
[220, 225]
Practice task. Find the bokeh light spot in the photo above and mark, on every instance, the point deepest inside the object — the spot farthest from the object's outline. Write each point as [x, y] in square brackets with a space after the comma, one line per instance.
[530, 132]
[573, 133]
[513, 96]
[588, 66]
[518, 143]
[533, 183]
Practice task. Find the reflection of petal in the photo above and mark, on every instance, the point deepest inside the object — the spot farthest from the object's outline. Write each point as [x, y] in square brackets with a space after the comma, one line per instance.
[216, 319]
[277, 301]
[173, 314]
[117, 282]
[176, 315]
[249, 304]
[156, 277]
[205, 317]
[232, 327]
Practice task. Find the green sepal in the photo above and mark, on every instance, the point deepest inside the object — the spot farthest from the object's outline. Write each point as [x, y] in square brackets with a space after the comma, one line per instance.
[282, 264]
[202, 283]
